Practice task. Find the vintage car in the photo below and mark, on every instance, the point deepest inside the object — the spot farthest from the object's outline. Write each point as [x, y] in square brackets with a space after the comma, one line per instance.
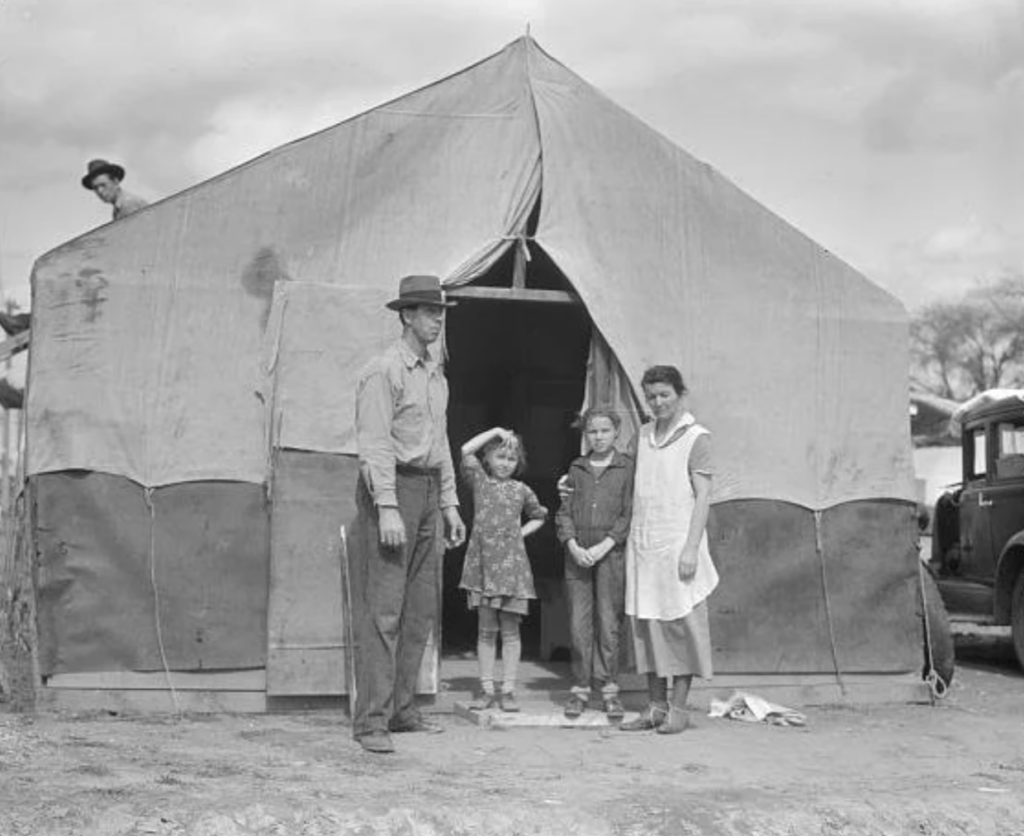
[978, 528]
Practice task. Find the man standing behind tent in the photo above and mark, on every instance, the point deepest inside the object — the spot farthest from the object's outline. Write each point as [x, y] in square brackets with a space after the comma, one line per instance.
[104, 178]
[406, 488]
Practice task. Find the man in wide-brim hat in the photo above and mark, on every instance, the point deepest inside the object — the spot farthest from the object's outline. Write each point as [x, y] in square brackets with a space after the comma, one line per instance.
[420, 290]
[104, 178]
[405, 494]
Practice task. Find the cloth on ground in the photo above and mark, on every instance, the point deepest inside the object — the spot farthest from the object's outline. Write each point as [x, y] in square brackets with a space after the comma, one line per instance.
[754, 709]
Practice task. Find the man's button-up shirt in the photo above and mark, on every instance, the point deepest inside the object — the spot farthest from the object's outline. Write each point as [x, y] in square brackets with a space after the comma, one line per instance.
[401, 419]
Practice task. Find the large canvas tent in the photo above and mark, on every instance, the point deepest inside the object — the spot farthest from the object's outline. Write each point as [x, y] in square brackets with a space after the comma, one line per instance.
[190, 445]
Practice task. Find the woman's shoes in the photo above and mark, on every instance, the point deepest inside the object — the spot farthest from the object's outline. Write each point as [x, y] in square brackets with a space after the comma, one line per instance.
[677, 720]
[650, 718]
[508, 702]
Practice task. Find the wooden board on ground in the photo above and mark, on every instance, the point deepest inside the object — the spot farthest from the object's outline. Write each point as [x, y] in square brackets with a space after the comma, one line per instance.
[540, 715]
[248, 680]
[130, 701]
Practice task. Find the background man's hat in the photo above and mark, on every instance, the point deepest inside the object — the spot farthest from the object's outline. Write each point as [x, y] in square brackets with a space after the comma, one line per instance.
[98, 167]
[419, 290]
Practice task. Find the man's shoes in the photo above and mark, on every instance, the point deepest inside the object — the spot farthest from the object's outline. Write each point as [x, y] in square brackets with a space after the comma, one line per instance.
[11, 397]
[14, 324]
[508, 702]
[678, 720]
[650, 718]
[613, 708]
[378, 742]
[415, 724]
[574, 706]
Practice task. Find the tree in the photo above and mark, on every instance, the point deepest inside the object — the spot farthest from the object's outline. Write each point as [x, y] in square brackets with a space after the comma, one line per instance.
[960, 348]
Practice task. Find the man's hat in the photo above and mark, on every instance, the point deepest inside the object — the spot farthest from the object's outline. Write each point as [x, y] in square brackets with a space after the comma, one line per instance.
[419, 290]
[98, 167]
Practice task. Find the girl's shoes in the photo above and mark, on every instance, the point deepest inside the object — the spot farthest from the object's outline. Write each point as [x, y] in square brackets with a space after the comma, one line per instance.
[650, 718]
[485, 700]
[508, 702]
[678, 720]
[613, 708]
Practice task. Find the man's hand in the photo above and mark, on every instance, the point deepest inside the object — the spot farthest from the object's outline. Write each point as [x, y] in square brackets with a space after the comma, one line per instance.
[392, 529]
[688, 564]
[454, 528]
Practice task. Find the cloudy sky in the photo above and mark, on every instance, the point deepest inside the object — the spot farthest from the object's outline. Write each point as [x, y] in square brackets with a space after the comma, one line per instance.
[890, 131]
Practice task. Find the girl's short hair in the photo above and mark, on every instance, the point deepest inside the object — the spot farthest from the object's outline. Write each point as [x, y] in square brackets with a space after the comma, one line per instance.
[516, 442]
[600, 412]
[669, 375]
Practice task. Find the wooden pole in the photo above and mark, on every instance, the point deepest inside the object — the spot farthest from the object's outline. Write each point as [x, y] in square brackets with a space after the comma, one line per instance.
[5, 461]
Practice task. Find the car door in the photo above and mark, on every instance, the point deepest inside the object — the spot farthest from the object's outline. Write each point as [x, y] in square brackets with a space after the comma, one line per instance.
[976, 564]
[1006, 489]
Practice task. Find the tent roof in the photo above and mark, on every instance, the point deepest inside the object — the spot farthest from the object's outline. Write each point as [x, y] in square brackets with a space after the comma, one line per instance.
[246, 293]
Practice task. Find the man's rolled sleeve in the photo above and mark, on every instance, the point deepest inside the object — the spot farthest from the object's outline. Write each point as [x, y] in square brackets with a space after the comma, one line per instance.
[373, 436]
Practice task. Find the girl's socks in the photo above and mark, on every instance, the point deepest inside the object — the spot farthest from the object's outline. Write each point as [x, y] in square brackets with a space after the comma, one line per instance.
[487, 652]
[511, 650]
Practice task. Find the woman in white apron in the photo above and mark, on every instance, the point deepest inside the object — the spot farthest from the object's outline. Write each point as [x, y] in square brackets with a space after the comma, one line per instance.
[669, 572]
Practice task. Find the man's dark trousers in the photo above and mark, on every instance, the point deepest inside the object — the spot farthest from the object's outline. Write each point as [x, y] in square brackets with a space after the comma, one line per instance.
[395, 600]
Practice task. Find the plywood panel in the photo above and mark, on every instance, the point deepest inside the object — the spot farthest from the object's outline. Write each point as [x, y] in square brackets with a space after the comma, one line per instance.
[308, 638]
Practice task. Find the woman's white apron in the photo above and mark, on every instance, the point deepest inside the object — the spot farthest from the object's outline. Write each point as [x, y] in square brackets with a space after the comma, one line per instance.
[663, 502]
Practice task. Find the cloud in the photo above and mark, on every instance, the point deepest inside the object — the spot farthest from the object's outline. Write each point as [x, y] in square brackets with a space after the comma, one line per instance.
[970, 242]
[950, 259]
[821, 109]
[889, 120]
[145, 78]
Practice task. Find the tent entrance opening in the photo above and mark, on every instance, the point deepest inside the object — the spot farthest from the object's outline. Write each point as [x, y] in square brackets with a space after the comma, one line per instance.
[522, 365]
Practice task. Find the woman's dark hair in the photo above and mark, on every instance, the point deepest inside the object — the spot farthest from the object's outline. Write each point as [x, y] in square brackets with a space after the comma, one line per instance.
[664, 374]
[600, 412]
[494, 443]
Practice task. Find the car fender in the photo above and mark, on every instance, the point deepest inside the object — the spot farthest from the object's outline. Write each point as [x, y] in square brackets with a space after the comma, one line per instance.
[1011, 560]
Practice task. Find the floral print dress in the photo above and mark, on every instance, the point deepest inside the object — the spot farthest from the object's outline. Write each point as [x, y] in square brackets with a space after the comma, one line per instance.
[497, 571]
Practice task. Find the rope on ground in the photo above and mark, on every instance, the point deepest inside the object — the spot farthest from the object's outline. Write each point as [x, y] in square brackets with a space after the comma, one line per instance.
[148, 494]
[820, 548]
[936, 684]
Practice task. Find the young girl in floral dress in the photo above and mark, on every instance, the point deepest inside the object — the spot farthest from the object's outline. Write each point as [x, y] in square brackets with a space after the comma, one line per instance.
[497, 572]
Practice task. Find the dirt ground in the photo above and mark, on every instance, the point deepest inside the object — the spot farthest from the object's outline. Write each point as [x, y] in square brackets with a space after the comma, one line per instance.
[955, 768]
